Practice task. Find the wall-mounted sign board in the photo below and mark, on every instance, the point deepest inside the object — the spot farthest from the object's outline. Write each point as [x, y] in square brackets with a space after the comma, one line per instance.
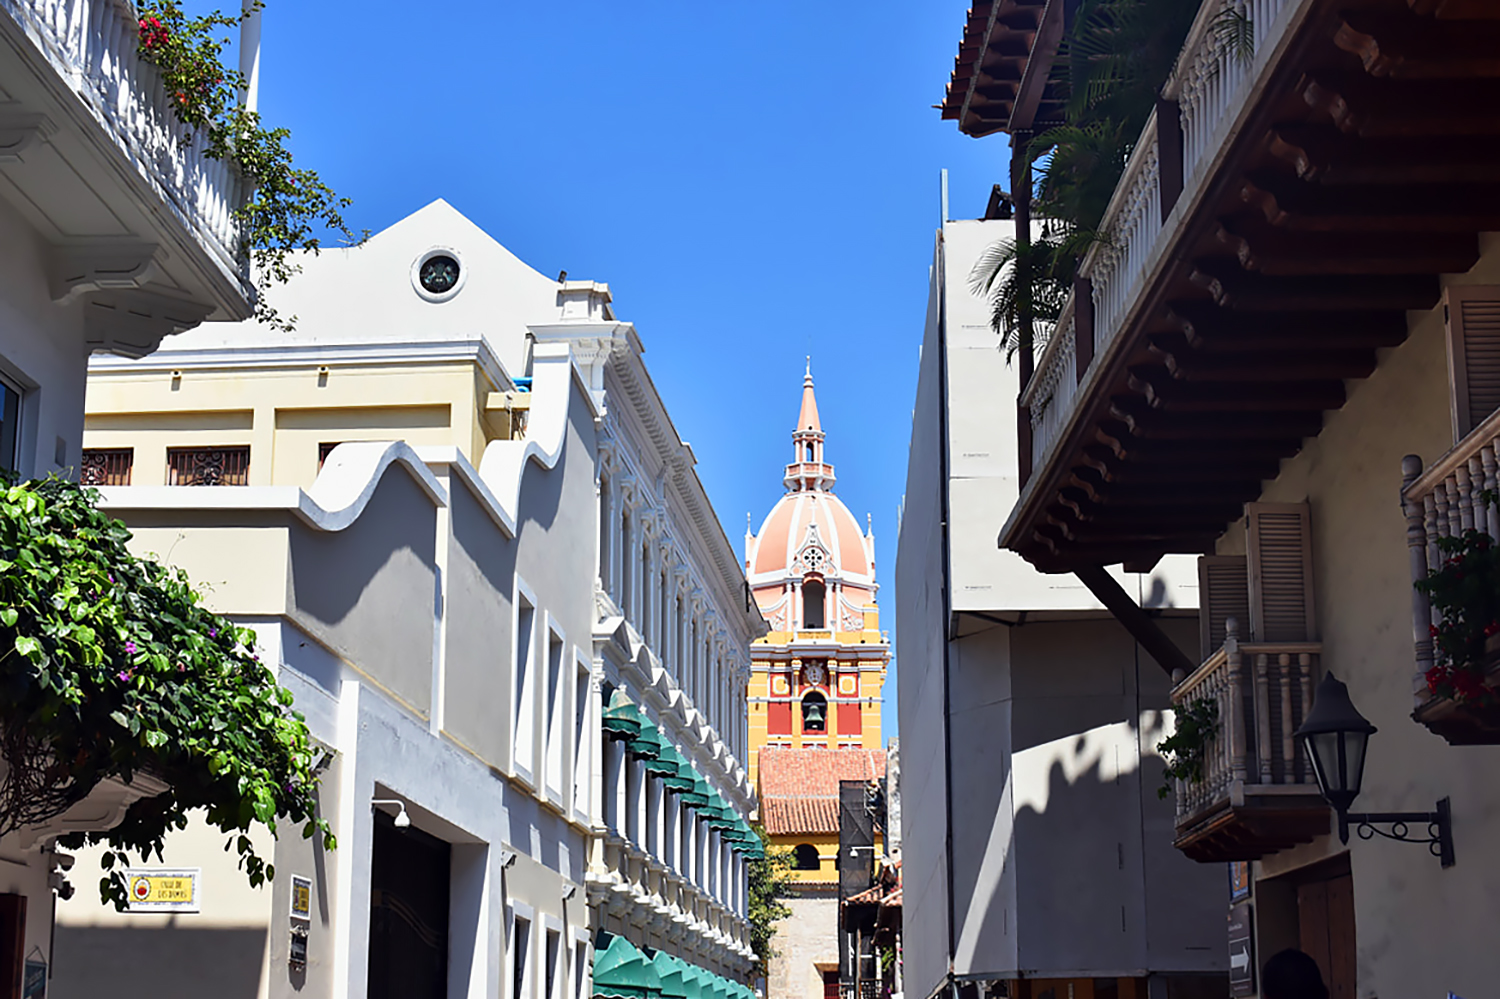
[163, 889]
[301, 898]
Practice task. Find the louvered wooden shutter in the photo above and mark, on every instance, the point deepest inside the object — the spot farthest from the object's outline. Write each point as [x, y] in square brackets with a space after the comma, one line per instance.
[1223, 593]
[1280, 563]
[1473, 316]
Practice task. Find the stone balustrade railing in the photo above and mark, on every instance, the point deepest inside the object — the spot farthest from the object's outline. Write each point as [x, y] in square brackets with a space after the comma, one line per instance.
[1262, 691]
[1212, 84]
[91, 45]
[1458, 493]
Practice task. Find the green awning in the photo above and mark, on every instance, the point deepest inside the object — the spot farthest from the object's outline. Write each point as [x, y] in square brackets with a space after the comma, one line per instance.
[719, 987]
[671, 971]
[698, 796]
[665, 763]
[621, 971]
[622, 719]
[673, 779]
[647, 743]
[693, 981]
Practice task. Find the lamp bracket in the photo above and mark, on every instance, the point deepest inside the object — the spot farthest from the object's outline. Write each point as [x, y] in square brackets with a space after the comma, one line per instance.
[1439, 839]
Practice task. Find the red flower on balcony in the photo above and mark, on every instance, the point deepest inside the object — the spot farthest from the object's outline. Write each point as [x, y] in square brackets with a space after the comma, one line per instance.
[154, 34]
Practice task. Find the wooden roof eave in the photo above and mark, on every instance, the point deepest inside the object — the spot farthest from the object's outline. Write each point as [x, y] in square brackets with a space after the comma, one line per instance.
[1210, 332]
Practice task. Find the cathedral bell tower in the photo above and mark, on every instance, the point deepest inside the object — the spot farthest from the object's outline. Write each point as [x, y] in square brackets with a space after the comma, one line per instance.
[817, 677]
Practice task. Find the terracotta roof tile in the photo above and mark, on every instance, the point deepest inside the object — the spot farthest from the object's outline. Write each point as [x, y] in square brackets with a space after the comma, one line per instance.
[799, 788]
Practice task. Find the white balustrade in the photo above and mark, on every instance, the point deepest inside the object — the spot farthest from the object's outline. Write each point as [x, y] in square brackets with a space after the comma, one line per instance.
[1049, 397]
[1212, 83]
[1458, 493]
[1262, 691]
[91, 44]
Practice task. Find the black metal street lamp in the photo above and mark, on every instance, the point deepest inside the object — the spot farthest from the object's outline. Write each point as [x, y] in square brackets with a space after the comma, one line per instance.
[1334, 736]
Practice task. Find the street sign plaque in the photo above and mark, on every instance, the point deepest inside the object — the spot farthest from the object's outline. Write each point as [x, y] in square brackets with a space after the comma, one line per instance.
[1241, 950]
[158, 889]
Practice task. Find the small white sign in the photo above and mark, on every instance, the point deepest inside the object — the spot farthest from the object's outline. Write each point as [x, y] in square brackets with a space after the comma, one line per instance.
[163, 889]
[301, 898]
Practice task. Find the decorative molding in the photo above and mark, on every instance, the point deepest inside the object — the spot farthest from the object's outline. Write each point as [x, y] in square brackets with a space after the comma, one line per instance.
[100, 266]
[132, 322]
[20, 130]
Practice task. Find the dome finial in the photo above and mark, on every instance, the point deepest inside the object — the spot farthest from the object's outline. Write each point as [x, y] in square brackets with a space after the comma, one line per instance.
[807, 378]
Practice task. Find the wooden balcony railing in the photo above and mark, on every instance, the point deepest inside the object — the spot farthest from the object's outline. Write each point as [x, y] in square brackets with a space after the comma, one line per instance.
[1456, 494]
[1212, 85]
[1257, 794]
[91, 44]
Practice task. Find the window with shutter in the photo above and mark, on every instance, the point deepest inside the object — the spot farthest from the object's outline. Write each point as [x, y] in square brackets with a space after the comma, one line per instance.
[1280, 564]
[1223, 593]
[1473, 319]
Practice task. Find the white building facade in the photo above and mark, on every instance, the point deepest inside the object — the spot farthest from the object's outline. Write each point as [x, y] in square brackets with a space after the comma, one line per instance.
[672, 639]
[1030, 820]
[424, 467]
[115, 231]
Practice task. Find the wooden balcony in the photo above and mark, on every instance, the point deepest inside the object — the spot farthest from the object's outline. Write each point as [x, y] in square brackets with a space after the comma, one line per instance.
[1456, 494]
[1257, 794]
[1265, 242]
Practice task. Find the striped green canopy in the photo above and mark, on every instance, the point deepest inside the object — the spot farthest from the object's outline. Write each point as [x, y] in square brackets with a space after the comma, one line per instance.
[646, 744]
[621, 971]
[621, 718]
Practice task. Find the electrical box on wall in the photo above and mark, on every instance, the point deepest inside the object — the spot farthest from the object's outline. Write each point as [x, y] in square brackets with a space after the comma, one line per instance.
[301, 913]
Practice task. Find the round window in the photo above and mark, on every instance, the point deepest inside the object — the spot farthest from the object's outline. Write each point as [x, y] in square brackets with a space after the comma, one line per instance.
[439, 274]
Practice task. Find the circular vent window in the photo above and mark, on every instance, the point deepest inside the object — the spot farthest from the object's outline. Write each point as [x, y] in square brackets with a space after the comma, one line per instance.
[437, 274]
[440, 274]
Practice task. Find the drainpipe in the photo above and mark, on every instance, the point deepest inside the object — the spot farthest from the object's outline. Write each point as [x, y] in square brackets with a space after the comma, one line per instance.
[947, 587]
[250, 53]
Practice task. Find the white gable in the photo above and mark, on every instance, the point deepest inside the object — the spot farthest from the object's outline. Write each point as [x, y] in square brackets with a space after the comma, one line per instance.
[367, 294]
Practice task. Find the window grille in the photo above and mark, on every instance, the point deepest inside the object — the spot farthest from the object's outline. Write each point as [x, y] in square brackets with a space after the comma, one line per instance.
[106, 466]
[208, 466]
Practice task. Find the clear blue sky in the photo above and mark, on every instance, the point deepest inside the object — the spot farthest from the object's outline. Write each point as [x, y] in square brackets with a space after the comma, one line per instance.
[755, 182]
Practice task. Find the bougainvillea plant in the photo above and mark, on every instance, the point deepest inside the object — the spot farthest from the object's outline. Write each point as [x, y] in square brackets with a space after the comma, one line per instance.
[289, 207]
[1186, 750]
[1465, 591]
[110, 666]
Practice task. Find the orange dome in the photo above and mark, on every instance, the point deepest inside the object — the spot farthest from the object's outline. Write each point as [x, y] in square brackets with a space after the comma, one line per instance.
[811, 531]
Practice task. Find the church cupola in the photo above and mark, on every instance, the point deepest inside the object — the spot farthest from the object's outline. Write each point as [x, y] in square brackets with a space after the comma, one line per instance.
[808, 470]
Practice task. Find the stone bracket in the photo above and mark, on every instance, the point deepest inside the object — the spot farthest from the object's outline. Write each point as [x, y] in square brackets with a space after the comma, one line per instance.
[84, 267]
[20, 130]
[132, 323]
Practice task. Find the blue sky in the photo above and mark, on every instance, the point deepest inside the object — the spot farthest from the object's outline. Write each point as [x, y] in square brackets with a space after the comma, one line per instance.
[756, 183]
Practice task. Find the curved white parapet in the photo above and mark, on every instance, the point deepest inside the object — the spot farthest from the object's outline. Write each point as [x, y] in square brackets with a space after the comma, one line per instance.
[504, 462]
[343, 488]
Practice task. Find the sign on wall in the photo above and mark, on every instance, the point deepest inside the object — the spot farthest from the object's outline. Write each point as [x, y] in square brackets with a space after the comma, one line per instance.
[1239, 880]
[160, 889]
[1241, 951]
[301, 898]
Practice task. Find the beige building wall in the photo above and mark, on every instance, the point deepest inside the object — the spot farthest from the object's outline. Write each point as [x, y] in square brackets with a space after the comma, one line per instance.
[806, 944]
[1418, 926]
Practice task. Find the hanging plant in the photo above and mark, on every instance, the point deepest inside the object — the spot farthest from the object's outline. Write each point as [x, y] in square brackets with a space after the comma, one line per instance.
[1465, 591]
[110, 667]
[289, 206]
[1186, 749]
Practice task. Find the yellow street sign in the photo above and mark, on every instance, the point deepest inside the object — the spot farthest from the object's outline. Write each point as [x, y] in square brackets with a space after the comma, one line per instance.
[160, 890]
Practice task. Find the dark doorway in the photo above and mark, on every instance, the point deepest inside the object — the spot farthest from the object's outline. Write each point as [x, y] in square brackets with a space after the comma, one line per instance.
[1325, 921]
[830, 985]
[409, 875]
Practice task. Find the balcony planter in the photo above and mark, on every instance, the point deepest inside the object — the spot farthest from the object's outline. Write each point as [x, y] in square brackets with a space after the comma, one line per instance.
[1466, 723]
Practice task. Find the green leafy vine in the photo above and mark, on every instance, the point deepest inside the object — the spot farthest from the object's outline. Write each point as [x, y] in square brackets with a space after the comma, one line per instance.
[1465, 591]
[110, 668]
[1186, 749]
[289, 206]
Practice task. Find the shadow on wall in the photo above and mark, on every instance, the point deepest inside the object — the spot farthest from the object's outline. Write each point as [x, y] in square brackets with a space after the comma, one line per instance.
[165, 962]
